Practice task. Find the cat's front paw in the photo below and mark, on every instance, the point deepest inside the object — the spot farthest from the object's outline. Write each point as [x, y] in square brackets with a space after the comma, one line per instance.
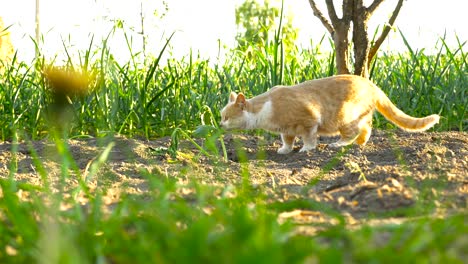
[339, 144]
[335, 145]
[284, 150]
[306, 148]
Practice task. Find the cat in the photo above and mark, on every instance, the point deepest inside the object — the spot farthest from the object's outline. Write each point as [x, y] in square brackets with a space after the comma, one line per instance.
[342, 104]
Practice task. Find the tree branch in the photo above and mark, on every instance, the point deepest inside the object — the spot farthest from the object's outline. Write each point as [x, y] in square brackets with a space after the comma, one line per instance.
[332, 12]
[385, 32]
[348, 10]
[322, 18]
[374, 6]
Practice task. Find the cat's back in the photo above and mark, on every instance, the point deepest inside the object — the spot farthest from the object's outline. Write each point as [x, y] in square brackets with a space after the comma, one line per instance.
[334, 99]
[336, 83]
[339, 87]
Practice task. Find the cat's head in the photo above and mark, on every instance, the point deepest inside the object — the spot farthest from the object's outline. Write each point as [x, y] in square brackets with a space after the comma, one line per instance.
[233, 115]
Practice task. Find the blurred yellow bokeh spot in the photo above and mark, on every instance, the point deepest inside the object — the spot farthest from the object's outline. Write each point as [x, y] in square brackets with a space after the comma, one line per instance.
[64, 82]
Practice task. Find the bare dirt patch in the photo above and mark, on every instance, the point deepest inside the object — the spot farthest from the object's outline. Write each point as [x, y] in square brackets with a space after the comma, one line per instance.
[394, 172]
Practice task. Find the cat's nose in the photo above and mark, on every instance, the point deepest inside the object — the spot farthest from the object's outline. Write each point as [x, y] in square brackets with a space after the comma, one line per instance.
[224, 125]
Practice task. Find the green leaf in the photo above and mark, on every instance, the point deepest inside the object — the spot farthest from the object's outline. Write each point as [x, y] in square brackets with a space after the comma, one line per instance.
[204, 131]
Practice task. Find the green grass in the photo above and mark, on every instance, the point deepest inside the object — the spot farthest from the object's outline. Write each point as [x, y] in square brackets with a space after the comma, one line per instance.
[163, 226]
[157, 98]
[153, 98]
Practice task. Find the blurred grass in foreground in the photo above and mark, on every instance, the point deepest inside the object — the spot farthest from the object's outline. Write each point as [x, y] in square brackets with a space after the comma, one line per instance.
[235, 224]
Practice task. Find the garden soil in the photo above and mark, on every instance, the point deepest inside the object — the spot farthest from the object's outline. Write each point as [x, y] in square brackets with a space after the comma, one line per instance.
[375, 184]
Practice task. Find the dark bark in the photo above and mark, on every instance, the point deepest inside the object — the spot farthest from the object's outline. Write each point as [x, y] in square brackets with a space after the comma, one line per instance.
[360, 38]
[341, 41]
[322, 18]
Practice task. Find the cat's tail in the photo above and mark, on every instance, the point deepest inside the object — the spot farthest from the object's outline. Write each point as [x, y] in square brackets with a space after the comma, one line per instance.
[399, 118]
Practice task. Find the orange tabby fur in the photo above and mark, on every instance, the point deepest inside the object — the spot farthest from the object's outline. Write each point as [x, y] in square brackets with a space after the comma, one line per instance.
[341, 104]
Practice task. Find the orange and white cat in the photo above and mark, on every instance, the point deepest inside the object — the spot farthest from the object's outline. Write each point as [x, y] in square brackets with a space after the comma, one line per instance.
[341, 104]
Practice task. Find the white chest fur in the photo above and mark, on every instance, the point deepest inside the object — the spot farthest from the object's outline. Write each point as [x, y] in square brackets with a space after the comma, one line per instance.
[261, 119]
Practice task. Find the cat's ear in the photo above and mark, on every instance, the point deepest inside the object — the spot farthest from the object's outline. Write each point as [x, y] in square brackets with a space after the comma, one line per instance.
[240, 100]
[232, 97]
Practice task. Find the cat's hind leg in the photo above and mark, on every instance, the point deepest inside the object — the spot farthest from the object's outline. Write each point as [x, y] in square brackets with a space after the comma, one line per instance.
[348, 134]
[288, 144]
[341, 143]
[310, 140]
[364, 133]
[359, 131]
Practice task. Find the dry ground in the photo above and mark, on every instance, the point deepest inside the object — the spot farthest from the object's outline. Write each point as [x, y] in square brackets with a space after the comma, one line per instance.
[393, 173]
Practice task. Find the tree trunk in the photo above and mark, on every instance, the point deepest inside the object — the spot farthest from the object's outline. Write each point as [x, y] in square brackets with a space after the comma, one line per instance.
[339, 29]
[360, 39]
[340, 38]
[364, 51]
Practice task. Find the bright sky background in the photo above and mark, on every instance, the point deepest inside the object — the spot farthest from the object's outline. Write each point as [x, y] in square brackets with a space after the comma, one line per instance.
[200, 24]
